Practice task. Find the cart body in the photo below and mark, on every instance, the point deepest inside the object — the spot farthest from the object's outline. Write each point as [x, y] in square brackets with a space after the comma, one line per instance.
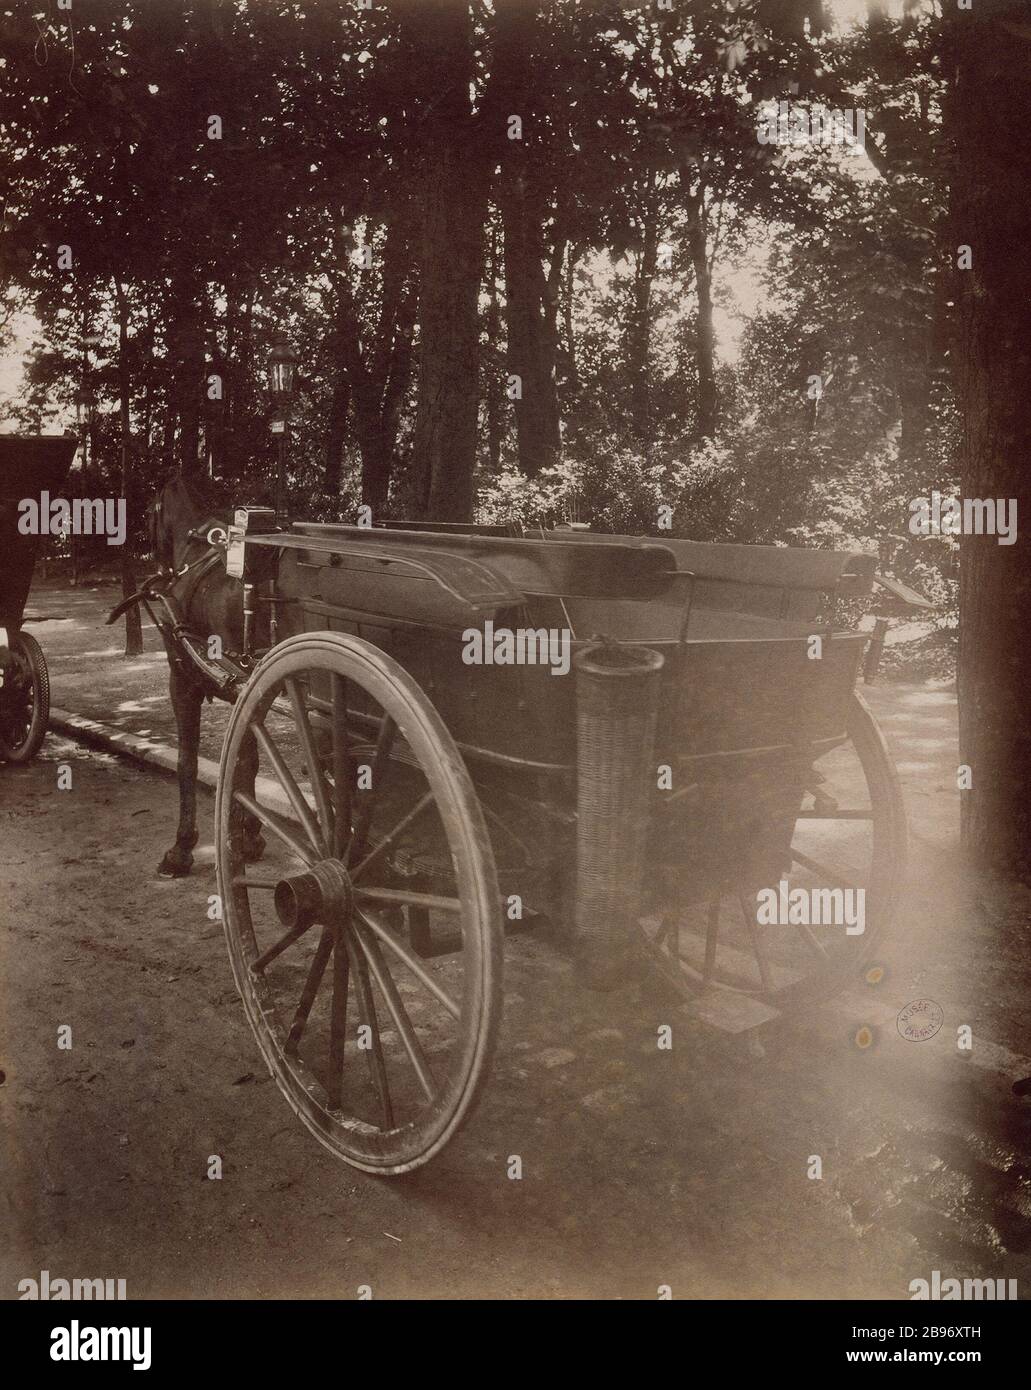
[678, 729]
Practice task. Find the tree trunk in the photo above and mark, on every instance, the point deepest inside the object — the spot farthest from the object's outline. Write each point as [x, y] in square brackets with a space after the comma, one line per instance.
[378, 375]
[133, 622]
[189, 370]
[991, 213]
[454, 180]
[529, 308]
[707, 417]
[495, 407]
[639, 328]
[336, 437]
[572, 383]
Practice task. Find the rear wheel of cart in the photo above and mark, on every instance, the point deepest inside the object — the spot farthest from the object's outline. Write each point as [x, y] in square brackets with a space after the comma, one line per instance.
[849, 834]
[367, 941]
[24, 700]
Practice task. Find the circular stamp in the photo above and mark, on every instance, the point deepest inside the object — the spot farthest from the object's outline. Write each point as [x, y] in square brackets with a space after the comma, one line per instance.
[920, 1020]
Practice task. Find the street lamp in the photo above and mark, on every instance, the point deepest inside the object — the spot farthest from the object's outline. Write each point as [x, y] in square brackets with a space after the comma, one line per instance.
[283, 374]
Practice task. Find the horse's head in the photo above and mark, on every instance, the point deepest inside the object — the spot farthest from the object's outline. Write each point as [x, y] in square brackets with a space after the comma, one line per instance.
[179, 509]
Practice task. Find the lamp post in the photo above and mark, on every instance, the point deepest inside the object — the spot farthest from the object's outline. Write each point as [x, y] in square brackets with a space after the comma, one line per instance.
[284, 373]
[84, 405]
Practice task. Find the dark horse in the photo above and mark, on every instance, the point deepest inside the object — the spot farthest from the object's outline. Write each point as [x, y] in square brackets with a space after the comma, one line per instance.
[185, 533]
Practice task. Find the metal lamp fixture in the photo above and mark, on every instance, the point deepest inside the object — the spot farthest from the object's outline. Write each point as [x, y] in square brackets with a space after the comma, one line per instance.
[284, 375]
[284, 370]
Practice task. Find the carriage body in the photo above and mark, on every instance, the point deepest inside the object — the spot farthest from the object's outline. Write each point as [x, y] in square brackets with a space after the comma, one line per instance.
[744, 676]
[660, 757]
[30, 466]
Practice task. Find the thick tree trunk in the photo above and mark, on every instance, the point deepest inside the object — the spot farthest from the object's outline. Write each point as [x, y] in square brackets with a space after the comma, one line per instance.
[377, 458]
[991, 212]
[531, 355]
[530, 316]
[133, 622]
[336, 437]
[707, 416]
[454, 177]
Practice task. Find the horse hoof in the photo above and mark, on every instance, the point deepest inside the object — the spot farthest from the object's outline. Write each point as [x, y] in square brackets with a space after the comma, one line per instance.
[174, 865]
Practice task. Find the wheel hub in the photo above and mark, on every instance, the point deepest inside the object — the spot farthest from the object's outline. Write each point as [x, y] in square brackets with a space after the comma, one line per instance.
[322, 894]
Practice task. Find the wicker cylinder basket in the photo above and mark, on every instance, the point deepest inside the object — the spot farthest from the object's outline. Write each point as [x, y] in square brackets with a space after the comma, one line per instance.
[617, 701]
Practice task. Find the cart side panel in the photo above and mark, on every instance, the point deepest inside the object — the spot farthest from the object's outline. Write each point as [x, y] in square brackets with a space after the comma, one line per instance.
[522, 713]
[758, 694]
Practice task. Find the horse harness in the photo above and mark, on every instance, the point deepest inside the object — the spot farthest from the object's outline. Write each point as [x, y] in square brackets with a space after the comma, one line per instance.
[185, 648]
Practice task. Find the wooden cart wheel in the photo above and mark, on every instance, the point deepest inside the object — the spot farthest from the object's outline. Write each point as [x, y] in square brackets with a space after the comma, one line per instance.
[850, 833]
[24, 700]
[337, 756]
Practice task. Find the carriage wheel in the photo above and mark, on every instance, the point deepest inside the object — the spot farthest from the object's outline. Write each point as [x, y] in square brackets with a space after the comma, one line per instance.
[371, 822]
[850, 833]
[24, 700]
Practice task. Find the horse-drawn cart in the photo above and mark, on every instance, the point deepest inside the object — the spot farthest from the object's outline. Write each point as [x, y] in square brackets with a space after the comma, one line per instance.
[445, 735]
[30, 465]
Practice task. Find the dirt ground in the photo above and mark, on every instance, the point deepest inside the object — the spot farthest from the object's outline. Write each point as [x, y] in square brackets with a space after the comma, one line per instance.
[641, 1167]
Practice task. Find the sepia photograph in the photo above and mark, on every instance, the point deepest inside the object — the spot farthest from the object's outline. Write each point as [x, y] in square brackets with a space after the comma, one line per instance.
[515, 668]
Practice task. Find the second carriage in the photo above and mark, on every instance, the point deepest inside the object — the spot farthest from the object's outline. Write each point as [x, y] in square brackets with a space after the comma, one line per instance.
[32, 468]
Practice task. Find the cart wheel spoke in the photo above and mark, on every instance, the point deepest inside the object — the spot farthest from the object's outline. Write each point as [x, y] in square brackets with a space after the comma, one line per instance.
[278, 947]
[812, 940]
[289, 784]
[343, 771]
[280, 826]
[381, 974]
[338, 1015]
[311, 755]
[311, 988]
[757, 945]
[367, 808]
[367, 1017]
[383, 845]
[408, 897]
[665, 926]
[836, 878]
[413, 962]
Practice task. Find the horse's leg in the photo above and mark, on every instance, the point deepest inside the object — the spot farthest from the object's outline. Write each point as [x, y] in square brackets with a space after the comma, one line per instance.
[186, 702]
